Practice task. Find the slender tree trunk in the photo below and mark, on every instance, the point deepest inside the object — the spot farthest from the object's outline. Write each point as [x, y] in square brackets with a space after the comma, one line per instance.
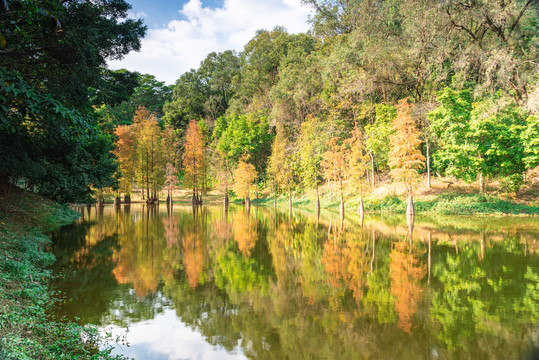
[429, 260]
[361, 206]
[482, 184]
[410, 207]
[428, 161]
[329, 186]
[147, 179]
[372, 169]
[410, 219]
[317, 199]
[289, 194]
[342, 199]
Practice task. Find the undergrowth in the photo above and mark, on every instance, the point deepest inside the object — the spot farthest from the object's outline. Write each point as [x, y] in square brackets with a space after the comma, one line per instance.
[27, 328]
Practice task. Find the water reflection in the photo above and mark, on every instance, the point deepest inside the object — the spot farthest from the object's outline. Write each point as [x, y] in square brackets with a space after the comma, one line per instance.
[227, 282]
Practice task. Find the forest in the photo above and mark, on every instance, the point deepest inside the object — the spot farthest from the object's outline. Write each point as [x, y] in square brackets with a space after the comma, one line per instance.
[397, 91]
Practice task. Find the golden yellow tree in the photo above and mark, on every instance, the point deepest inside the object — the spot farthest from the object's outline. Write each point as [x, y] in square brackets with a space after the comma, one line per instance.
[405, 158]
[357, 160]
[244, 177]
[334, 165]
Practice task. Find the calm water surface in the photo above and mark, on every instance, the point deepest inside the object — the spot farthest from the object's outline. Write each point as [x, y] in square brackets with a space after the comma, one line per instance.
[263, 284]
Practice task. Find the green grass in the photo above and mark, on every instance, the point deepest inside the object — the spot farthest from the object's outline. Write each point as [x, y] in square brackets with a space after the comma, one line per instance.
[446, 204]
[27, 328]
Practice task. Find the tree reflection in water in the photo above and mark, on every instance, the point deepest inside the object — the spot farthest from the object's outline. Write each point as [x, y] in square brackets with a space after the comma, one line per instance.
[277, 285]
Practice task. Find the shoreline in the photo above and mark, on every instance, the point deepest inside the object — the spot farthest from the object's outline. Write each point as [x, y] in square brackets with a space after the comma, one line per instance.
[28, 328]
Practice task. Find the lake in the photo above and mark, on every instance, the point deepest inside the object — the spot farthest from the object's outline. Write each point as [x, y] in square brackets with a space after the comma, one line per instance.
[216, 283]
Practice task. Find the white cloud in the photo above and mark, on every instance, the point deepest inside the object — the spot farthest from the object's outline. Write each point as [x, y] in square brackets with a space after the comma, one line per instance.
[170, 51]
[139, 15]
[166, 337]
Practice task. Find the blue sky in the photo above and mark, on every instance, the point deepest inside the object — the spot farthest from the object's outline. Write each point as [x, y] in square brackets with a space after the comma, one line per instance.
[160, 13]
[181, 33]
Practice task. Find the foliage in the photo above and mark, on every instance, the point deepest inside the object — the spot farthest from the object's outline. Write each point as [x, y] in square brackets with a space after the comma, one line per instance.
[58, 151]
[244, 177]
[147, 92]
[405, 158]
[356, 171]
[194, 158]
[236, 135]
[203, 93]
[150, 168]
[63, 46]
[311, 148]
[27, 328]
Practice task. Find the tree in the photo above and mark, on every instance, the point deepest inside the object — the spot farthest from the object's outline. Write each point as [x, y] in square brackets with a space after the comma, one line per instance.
[405, 159]
[52, 53]
[530, 138]
[377, 137]
[125, 152]
[311, 147]
[236, 135]
[334, 166]
[203, 93]
[194, 161]
[357, 159]
[244, 177]
[57, 151]
[147, 92]
[478, 139]
[150, 167]
[281, 163]
[63, 46]
[171, 177]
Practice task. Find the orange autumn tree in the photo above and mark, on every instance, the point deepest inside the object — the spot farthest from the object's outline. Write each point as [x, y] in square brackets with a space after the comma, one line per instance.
[405, 158]
[194, 161]
[244, 177]
[406, 274]
[125, 152]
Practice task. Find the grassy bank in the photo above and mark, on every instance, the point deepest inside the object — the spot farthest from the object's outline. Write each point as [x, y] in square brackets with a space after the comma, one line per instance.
[27, 330]
[446, 204]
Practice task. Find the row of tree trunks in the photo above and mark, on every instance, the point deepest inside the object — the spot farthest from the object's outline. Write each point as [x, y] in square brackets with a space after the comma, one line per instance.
[196, 199]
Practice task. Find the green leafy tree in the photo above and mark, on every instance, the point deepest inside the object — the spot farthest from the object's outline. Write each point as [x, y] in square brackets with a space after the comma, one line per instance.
[236, 135]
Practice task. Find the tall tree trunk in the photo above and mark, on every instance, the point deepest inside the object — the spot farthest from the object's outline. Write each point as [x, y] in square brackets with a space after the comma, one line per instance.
[372, 168]
[429, 260]
[317, 200]
[147, 180]
[289, 194]
[428, 161]
[410, 207]
[482, 184]
[342, 200]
